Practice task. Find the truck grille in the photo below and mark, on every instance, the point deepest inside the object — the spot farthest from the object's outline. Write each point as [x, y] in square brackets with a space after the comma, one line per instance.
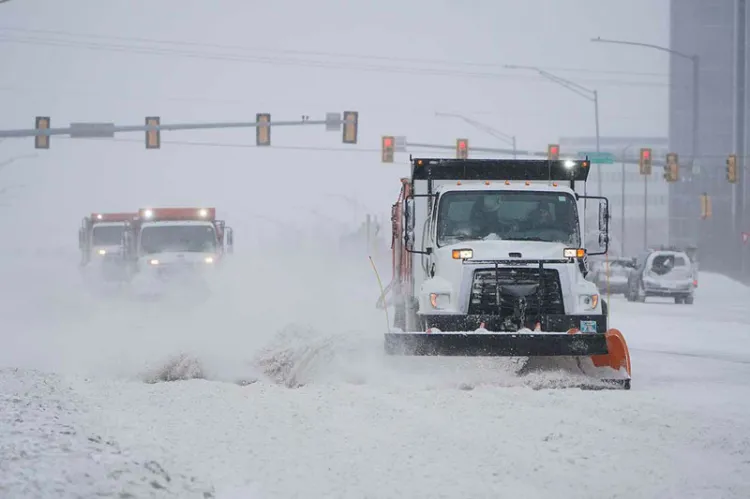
[483, 300]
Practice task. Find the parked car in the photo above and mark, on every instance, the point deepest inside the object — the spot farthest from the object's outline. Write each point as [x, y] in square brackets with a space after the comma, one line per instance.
[619, 269]
[664, 273]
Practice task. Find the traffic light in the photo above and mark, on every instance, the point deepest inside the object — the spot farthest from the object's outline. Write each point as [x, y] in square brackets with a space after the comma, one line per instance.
[705, 206]
[672, 168]
[262, 132]
[645, 161]
[351, 122]
[387, 150]
[41, 141]
[153, 137]
[732, 168]
[553, 152]
[462, 148]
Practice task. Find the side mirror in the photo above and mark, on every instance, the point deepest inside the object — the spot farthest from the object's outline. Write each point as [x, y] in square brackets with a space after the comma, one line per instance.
[409, 225]
[230, 240]
[604, 216]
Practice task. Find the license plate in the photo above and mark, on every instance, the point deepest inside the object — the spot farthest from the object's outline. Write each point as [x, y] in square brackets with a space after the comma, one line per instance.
[588, 327]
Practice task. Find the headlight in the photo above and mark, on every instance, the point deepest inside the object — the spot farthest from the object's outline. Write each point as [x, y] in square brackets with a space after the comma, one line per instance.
[590, 302]
[440, 300]
[153, 262]
[209, 259]
[102, 252]
[462, 254]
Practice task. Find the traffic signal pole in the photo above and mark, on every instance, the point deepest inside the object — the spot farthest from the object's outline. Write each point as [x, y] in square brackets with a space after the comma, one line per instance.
[43, 131]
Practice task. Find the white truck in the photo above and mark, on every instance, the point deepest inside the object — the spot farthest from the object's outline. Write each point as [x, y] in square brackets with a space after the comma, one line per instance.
[100, 243]
[488, 261]
[167, 244]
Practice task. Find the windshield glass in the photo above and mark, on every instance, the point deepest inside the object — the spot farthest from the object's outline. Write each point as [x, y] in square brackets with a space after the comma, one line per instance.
[515, 216]
[108, 235]
[185, 238]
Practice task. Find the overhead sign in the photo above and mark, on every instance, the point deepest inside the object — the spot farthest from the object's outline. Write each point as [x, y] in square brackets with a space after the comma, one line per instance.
[602, 158]
[400, 143]
[333, 122]
[92, 130]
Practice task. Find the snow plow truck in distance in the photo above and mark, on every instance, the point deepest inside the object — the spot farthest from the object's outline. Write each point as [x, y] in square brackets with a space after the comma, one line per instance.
[100, 235]
[165, 242]
[488, 261]
[100, 243]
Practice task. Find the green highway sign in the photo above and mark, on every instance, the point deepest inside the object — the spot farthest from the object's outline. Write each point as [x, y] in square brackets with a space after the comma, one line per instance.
[605, 158]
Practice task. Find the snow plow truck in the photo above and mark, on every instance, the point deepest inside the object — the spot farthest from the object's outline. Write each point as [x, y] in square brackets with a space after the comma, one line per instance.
[165, 244]
[487, 260]
[100, 243]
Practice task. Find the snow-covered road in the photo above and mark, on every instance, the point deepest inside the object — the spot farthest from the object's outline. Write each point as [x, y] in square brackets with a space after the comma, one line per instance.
[77, 419]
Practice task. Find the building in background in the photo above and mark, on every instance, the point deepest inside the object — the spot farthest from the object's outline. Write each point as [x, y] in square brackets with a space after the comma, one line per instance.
[632, 199]
[715, 31]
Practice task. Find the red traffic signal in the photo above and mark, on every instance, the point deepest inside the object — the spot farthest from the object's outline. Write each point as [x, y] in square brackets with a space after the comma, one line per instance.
[387, 149]
[553, 152]
[462, 148]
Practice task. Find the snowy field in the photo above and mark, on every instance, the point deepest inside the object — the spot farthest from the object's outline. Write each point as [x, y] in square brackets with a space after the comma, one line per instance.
[292, 396]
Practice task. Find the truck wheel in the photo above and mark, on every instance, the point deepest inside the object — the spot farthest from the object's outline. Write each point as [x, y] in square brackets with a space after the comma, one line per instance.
[678, 300]
[689, 300]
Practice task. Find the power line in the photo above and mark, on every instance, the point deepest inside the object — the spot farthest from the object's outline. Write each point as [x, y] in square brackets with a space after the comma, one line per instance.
[311, 63]
[309, 53]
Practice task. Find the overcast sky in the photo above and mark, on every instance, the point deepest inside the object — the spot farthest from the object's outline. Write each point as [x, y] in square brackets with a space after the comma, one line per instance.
[396, 62]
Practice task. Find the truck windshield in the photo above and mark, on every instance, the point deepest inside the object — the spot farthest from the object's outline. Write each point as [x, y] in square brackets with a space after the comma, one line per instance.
[508, 215]
[108, 235]
[182, 238]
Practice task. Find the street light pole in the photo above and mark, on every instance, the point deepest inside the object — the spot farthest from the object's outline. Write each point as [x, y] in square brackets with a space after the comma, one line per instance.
[696, 81]
[508, 139]
[622, 207]
[695, 147]
[584, 92]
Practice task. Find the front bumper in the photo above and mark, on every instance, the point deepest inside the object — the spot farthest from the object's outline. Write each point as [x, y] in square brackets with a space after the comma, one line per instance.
[496, 345]
[593, 323]
[652, 288]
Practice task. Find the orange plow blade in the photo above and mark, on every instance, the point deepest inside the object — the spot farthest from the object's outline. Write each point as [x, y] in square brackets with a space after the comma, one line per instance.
[618, 356]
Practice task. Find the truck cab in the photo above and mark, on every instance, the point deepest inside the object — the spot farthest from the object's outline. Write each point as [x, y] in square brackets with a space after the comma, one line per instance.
[164, 242]
[496, 245]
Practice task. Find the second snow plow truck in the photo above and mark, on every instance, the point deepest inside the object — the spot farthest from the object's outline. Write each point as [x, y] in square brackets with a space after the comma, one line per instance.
[179, 245]
[488, 261]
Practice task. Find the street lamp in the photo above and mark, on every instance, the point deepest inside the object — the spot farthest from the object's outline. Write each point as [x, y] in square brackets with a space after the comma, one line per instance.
[508, 139]
[696, 81]
[584, 92]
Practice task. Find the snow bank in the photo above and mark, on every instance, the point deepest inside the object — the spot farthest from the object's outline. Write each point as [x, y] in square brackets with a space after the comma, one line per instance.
[47, 452]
